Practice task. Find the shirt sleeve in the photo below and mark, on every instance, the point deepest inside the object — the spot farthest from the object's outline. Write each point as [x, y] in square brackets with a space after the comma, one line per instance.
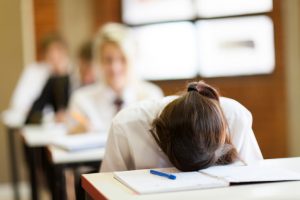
[76, 110]
[74, 105]
[29, 87]
[240, 127]
[82, 103]
[117, 153]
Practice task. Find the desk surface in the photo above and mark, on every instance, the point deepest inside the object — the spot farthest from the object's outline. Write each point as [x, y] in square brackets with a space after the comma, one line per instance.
[12, 119]
[60, 156]
[40, 136]
[104, 186]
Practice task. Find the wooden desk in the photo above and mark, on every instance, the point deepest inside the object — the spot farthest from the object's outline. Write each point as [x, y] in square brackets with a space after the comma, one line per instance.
[60, 156]
[61, 160]
[104, 186]
[39, 139]
[41, 136]
[36, 138]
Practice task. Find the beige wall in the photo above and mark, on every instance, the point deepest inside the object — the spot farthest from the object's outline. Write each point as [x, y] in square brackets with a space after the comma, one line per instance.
[291, 26]
[11, 63]
[75, 22]
[28, 37]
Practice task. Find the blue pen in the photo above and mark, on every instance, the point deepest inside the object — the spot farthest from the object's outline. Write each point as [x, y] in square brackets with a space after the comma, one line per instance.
[158, 173]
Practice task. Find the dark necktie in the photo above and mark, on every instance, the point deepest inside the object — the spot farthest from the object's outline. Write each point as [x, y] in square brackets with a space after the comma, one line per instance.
[118, 102]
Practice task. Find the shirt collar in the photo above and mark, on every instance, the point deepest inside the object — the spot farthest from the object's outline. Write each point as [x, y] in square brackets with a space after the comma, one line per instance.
[128, 95]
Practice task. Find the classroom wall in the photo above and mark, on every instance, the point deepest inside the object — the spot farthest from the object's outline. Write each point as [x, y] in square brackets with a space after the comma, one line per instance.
[28, 35]
[291, 39]
[76, 22]
[11, 64]
[106, 11]
[45, 15]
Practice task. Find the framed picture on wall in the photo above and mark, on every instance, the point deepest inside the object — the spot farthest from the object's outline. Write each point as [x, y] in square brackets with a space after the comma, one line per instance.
[166, 51]
[235, 46]
[219, 8]
[149, 11]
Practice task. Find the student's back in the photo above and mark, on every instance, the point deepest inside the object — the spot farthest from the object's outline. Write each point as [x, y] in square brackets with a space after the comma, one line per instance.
[132, 146]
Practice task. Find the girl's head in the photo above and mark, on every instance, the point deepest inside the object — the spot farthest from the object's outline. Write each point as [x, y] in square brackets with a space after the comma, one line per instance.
[113, 51]
[85, 66]
[192, 130]
[55, 52]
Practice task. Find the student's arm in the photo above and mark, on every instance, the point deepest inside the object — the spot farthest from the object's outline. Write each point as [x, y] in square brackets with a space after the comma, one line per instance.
[60, 97]
[55, 94]
[78, 121]
[117, 153]
[240, 126]
[60, 92]
[36, 111]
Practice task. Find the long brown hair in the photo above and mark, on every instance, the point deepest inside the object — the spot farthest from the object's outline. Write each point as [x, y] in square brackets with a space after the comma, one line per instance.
[192, 130]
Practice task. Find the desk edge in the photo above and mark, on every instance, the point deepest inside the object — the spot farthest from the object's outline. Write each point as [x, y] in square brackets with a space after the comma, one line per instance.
[91, 190]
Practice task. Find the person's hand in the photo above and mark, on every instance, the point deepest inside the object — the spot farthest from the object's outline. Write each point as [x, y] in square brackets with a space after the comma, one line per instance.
[78, 129]
[81, 123]
[60, 116]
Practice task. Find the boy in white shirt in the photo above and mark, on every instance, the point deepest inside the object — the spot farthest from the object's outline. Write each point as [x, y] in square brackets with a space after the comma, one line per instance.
[33, 80]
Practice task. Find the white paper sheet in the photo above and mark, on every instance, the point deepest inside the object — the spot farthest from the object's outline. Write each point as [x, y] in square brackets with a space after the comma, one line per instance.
[252, 173]
[143, 182]
[81, 141]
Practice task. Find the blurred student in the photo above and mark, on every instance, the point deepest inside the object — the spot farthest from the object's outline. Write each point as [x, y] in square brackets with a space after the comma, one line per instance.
[43, 83]
[193, 131]
[85, 73]
[93, 107]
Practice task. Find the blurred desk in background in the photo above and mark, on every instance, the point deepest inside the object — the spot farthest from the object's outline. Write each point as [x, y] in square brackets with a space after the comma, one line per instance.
[35, 139]
[61, 160]
[12, 125]
[39, 149]
[59, 156]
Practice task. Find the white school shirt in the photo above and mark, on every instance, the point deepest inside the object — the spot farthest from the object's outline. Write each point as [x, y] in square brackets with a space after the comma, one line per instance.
[131, 146]
[96, 102]
[28, 89]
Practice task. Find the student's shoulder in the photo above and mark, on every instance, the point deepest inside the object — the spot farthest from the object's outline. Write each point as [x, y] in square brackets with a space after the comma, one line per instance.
[37, 65]
[89, 90]
[233, 108]
[150, 88]
[37, 68]
[142, 112]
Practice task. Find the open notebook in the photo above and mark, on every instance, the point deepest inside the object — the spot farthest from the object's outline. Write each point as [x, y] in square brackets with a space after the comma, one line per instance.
[142, 182]
[80, 141]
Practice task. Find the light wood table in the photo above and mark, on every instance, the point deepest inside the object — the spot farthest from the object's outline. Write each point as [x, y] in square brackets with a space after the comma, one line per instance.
[104, 186]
